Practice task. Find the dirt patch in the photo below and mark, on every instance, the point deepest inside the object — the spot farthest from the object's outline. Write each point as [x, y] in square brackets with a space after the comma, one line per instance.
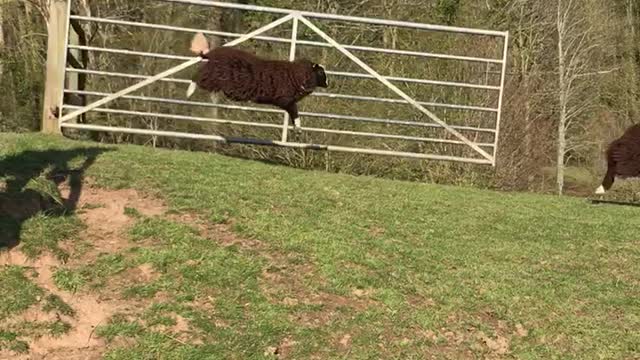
[136, 275]
[90, 311]
[498, 345]
[283, 350]
[331, 308]
[147, 273]
[376, 231]
[521, 331]
[42, 264]
[66, 354]
[23, 205]
[220, 233]
[458, 342]
[285, 282]
[345, 341]
[105, 215]
[182, 325]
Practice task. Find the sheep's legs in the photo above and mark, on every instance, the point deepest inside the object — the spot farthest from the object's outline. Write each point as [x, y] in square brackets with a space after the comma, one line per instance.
[191, 89]
[607, 182]
[292, 110]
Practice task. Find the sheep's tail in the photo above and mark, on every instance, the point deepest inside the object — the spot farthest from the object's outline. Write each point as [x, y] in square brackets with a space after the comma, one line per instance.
[199, 44]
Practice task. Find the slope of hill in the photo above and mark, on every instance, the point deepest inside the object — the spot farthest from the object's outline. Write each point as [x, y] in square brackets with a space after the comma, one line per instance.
[134, 252]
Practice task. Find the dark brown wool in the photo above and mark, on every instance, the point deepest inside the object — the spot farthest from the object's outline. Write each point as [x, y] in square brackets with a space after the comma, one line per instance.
[623, 158]
[242, 76]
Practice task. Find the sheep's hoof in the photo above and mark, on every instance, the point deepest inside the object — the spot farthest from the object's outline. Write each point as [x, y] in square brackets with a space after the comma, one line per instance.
[191, 89]
[600, 190]
[296, 126]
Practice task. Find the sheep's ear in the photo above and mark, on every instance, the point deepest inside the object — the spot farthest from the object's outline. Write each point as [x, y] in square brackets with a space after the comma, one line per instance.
[199, 44]
[318, 66]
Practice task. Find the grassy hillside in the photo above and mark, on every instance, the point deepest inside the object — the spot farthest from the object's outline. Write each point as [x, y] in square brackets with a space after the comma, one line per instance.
[193, 255]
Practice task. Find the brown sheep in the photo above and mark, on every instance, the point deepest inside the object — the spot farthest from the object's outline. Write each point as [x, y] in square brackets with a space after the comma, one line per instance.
[623, 158]
[242, 76]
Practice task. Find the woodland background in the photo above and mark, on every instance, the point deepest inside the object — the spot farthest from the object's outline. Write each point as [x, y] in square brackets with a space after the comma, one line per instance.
[571, 87]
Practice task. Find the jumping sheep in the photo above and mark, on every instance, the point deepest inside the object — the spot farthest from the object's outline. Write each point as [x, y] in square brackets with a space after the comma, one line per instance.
[242, 76]
[623, 158]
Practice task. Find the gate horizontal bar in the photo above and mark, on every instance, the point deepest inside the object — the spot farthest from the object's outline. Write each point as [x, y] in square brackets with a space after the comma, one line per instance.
[316, 93]
[359, 19]
[274, 126]
[273, 110]
[273, 143]
[178, 117]
[338, 73]
[287, 41]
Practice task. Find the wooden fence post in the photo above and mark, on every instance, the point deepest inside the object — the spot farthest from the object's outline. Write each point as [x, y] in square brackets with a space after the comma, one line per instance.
[54, 83]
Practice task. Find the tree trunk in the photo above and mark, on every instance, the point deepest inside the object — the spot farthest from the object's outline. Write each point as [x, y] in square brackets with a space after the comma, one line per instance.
[562, 146]
[2, 50]
[631, 17]
[632, 50]
[562, 97]
[524, 71]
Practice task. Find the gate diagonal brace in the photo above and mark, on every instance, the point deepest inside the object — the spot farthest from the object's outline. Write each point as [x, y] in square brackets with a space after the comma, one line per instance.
[170, 71]
[395, 89]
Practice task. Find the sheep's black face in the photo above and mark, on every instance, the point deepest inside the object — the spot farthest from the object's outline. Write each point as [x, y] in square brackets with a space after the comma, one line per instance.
[321, 76]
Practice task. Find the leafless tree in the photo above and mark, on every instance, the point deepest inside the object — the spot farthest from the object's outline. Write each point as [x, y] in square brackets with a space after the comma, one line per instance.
[575, 45]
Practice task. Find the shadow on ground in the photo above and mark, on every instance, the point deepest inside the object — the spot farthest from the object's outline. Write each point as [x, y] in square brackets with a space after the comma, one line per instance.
[28, 185]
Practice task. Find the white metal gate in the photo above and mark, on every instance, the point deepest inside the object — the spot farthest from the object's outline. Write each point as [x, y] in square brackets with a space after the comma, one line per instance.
[483, 152]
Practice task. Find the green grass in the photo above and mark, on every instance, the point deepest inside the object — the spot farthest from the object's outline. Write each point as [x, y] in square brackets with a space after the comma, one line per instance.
[68, 280]
[42, 232]
[18, 291]
[55, 303]
[355, 267]
[131, 212]
[20, 294]
[9, 340]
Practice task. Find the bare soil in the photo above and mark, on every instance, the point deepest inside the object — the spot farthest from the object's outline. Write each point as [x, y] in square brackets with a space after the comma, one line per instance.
[103, 213]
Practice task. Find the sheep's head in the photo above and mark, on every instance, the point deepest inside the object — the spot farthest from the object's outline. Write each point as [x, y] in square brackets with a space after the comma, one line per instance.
[321, 76]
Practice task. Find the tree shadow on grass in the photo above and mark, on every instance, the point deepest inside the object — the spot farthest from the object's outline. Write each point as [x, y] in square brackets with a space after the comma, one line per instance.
[29, 185]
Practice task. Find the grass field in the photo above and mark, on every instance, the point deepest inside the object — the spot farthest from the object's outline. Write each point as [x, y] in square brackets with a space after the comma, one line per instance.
[175, 255]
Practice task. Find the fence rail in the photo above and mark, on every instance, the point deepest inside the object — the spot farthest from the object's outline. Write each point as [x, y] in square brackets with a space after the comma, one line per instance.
[357, 19]
[329, 72]
[272, 143]
[318, 93]
[287, 41]
[276, 126]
